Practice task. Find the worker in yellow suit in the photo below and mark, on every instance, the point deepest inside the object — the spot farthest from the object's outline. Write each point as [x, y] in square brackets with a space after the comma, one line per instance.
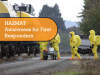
[75, 42]
[43, 46]
[95, 41]
[55, 43]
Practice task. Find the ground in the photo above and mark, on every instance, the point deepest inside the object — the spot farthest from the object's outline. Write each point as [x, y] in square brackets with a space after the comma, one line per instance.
[34, 65]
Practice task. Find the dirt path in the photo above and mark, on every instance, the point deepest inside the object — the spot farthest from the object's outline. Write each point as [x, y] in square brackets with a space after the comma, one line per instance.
[57, 67]
[35, 66]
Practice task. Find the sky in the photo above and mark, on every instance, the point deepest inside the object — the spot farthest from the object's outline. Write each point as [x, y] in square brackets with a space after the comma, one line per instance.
[68, 8]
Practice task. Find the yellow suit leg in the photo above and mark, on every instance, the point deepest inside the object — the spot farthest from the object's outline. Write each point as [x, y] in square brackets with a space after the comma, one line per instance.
[94, 50]
[42, 47]
[56, 48]
[58, 54]
[73, 55]
[41, 54]
[77, 54]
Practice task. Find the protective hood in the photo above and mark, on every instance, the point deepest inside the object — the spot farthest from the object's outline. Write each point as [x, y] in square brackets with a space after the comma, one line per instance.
[72, 34]
[92, 33]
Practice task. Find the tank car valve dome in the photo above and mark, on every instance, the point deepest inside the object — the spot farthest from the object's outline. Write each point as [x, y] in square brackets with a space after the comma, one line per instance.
[6, 10]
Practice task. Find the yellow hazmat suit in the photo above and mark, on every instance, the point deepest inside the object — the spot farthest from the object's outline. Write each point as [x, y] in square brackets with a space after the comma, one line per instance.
[43, 46]
[95, 41]
[55, 43]
[75, 42]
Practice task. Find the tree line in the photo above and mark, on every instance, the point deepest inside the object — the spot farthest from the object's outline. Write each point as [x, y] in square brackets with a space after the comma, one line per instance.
[54, 14]
[90, 17]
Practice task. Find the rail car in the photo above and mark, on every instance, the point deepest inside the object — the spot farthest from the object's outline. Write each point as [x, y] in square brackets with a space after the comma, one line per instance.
[11, 48]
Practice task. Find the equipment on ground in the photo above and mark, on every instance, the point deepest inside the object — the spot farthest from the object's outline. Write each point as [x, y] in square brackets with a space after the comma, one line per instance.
[51, 52]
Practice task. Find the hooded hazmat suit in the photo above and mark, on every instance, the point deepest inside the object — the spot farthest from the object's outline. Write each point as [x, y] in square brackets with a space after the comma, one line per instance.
[75, 42]
[55, 43]
[43, 46]
[95, 41]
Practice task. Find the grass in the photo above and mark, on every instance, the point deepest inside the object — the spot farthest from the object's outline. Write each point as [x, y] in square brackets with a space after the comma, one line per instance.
[73, 73]
[31, 56]
[86, 67]
[68, 71]
[90, 67]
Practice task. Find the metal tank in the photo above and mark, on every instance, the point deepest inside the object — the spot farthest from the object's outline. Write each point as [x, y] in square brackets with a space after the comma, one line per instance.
[10, 48]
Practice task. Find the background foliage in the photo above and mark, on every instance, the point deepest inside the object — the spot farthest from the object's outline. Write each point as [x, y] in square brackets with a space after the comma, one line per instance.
[54, 14]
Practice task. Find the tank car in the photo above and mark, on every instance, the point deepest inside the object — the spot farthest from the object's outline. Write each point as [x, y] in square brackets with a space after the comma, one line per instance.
[11, 48]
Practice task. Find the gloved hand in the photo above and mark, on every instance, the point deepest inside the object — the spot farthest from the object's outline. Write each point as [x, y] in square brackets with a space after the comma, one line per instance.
[73, 46]
[92, 46]
[51, 43]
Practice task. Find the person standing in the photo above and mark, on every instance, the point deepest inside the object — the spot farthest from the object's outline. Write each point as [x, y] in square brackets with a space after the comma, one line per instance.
[43, 46]
[75, 42]
[95, 41]
[55, 44]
